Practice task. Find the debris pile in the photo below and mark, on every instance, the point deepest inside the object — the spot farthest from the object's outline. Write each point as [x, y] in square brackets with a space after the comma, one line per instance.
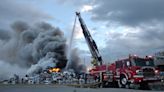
[52, 77]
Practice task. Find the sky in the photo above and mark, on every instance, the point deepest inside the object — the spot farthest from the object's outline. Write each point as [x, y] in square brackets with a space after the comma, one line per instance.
[119, 27]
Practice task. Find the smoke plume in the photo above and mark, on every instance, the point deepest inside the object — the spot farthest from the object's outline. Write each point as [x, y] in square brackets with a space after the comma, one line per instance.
[7, 70]
[28, 49]
[75, 62]
[31, 47]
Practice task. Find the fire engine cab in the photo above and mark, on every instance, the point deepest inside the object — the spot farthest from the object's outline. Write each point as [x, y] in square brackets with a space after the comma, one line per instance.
[135, 71]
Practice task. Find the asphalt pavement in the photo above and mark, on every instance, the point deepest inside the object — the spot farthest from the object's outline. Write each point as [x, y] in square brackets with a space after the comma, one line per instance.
[57, 88]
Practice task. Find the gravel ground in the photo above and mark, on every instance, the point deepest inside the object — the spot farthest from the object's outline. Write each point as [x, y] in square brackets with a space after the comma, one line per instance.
[57, 88]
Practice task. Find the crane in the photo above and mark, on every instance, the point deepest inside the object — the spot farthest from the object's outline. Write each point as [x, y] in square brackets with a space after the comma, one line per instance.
[90, 42]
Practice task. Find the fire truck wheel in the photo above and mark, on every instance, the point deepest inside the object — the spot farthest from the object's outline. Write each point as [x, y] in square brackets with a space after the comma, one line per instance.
[123, 82]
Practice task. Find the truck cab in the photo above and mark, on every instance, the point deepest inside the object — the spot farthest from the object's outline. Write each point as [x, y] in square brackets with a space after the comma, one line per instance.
[136, 70]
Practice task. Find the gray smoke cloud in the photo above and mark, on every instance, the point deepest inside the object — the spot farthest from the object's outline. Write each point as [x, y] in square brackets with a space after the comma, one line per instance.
[13, 10]
[75, 62]
[4, 34]
[30, 48]
[7, 70]
[147, 41]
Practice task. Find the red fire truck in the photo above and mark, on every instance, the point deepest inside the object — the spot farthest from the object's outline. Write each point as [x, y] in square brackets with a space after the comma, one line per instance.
[123, 73]
[131, 72]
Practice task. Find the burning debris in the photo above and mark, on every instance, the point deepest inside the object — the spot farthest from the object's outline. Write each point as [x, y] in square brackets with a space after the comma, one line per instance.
[50, 76]
[54, 70]
[36, 50]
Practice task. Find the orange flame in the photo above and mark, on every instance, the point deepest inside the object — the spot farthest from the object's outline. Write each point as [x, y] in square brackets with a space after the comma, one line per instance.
[54, 70]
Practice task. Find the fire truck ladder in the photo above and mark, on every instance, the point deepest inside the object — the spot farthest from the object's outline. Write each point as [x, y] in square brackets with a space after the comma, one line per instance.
[90, 42]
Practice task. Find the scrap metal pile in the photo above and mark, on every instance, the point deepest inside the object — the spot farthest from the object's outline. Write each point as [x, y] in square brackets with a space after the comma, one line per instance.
[52, 76]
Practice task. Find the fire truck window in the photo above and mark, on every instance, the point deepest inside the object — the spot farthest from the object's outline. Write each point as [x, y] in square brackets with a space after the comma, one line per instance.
[143, 62]
[161, 67]
[147, 63]
[119, 64]
[160, 59]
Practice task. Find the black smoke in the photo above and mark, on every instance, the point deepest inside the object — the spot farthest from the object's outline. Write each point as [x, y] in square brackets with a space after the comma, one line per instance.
[75, 62]
[31, 47]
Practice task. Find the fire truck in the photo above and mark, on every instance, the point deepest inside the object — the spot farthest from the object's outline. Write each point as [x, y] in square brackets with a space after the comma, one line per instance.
[131, 72]
[122, 73]
[136, 71]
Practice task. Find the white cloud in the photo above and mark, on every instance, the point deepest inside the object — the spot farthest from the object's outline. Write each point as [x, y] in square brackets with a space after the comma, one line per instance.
[86, 8]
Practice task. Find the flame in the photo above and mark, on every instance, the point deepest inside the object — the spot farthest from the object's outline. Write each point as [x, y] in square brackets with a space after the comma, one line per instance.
[54, 70]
